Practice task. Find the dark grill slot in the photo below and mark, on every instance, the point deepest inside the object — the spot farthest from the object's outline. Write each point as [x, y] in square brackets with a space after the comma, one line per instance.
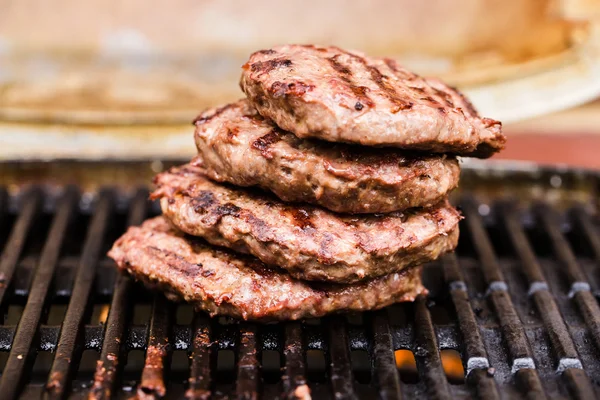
[516, 302]
[248, 365]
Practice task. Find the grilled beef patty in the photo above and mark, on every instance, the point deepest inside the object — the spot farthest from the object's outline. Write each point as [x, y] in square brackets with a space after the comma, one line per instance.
[238, 146]
[309, 242]
[223, 283]
[343, 96]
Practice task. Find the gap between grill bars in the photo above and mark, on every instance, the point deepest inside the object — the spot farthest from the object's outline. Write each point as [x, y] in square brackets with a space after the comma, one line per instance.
[517, 301]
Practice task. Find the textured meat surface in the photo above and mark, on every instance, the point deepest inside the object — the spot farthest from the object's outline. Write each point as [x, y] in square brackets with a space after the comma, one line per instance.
[223, 283]
[238, 146]
[342, 96]
[309, 242]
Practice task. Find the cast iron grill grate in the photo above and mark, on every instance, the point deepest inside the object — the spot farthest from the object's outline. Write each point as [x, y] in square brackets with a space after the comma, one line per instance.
[518, 302]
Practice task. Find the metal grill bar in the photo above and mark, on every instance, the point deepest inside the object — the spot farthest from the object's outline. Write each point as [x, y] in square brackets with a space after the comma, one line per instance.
[497, 292]
[584, 223]
[481, 331]
[484, 384]
[16, 241]
[427, 354]
[564, 349]
[340, 369]
[384, 362]
[69, 344]
[155, 366]
[579, 287]
[294, 380]
[538, 289]
[473, 345]
[110, 362]
[248, 365]
[477, 362]
[203, 359]
[22, 351]
[579, 384]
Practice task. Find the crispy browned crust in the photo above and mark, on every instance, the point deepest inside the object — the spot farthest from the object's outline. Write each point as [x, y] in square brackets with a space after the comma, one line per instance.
[342, 96]
[223, 283]
[309, 242]
[238, 146]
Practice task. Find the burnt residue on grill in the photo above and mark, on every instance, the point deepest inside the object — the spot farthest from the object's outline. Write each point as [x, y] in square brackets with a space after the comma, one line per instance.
[153, 382]
[518, 301]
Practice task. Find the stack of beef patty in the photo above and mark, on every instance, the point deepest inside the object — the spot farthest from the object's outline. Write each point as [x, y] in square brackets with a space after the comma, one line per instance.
[322, 191]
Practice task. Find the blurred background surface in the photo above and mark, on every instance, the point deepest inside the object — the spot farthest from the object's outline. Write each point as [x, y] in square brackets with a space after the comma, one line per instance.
[123, 79]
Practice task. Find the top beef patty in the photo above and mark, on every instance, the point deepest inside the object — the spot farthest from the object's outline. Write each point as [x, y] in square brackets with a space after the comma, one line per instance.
[343, 96]
[238, 146]
[224, 283]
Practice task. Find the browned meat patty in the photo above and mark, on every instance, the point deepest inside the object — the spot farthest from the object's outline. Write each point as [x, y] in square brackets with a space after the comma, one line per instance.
[309, 242]
[239, 146]
[342, 96]
[223, 283]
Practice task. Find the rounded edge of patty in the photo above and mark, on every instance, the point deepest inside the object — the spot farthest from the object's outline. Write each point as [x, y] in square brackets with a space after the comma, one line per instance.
[344, 96]
[309, 242]
[223, 283]
[237, 145]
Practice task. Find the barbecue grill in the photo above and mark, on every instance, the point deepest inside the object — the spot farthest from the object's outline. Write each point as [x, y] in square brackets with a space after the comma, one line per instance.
[518, 302]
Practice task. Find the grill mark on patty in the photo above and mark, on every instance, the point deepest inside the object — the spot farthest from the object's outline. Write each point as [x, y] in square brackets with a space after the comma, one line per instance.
[202, 118]
[381, 80]
[176, 261]
[466, 103]
[431, 100]
[203, 201]
[402, 73]
[313, 47]
[298, 88]
[345, 74]
[445, 96]
[264, 67]
[264, 143]
[206, 203]
[228, 209]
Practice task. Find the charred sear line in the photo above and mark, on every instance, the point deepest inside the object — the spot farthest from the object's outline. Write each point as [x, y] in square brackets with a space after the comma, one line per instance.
[402, 73]
[206, 204]
[202, 119]
[431, 100]
[203, 201]
[389, 91]
[467, 104]
[345, 74]
[281, 89]
[228, 209]
[445, 96]
[264, 67]
[176, 261]
[313, 47]
[266, 52]
[264, 143]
